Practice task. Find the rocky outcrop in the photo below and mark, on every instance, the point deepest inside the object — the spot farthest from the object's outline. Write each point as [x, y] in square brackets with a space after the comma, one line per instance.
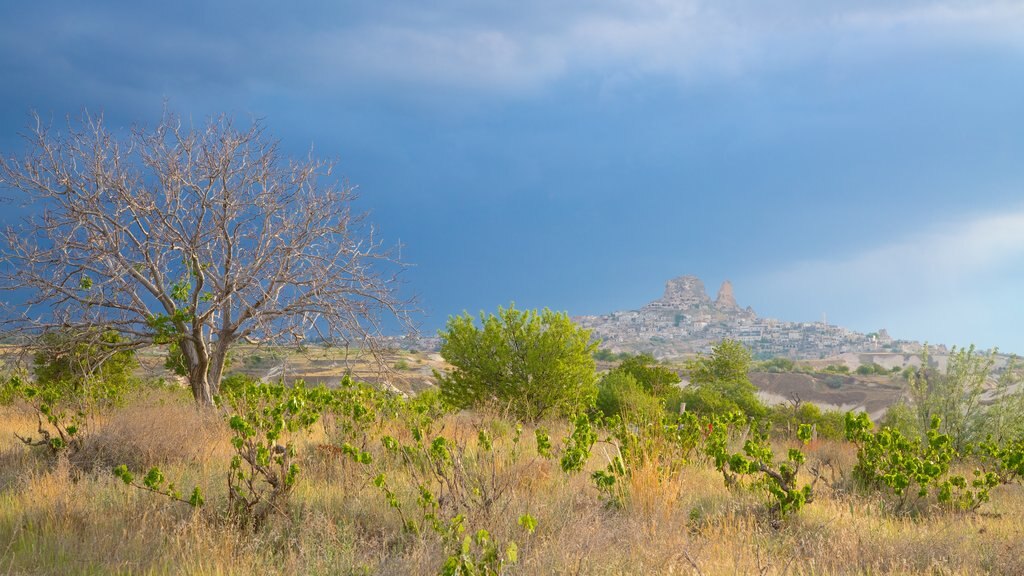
[682, 293]
[725, 299]
[686, 321]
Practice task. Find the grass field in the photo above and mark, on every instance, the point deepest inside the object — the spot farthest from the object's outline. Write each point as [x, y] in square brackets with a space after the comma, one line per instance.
[73, 516]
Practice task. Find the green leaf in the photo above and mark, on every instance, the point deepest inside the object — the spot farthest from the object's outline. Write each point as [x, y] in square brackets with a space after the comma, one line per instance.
[528, 522]
[154, 478]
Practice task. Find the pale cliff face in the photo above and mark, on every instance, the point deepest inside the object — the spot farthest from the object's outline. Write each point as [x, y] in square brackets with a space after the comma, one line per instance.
[685, 320]
[682, 293]
[726, 299]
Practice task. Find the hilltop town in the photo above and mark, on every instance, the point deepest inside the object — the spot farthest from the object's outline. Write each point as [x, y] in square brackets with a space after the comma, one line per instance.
[685, 321]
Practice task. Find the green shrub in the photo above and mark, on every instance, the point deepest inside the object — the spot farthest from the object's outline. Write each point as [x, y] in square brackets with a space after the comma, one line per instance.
[902, 417]
[76, 375]
[914, 473]
[872, 369]
[756, 464]
[837, 369]
[263, 471]
[236, 383]
[84, 367]
[655, 379]
[786, 419]
[719, 382]
[776, 365]
[530, 363]
[619, 394]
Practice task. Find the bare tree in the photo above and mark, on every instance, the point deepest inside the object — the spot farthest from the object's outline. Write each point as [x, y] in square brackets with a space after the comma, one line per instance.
[195, 237]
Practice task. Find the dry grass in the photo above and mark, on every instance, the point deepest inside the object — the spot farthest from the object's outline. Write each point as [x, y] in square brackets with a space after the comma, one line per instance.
[57, 521]
[156, 429]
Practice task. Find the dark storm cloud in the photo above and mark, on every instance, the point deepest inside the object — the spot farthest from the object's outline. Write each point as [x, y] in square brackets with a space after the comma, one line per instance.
[126, 52]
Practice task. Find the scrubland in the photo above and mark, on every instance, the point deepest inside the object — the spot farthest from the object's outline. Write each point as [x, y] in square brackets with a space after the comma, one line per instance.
[71, 515]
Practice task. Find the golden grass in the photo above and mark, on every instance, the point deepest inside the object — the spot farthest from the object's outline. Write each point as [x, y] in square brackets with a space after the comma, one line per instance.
[158, 428]
[59, 519]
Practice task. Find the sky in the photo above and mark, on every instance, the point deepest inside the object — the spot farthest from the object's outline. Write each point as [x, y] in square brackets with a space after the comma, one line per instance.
[860, 160]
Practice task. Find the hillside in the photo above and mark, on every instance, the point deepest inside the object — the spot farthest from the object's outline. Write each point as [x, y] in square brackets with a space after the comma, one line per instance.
[685, 320]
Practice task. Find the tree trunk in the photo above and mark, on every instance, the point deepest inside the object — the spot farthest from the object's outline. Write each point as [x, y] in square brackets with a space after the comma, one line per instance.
[216, 370]
[201, 389]
[198, 373]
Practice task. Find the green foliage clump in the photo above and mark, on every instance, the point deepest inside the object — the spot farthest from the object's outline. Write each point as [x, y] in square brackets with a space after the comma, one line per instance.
[76, 374]
[531, 363]
[155, 482]
[87, 367]
[263, 471]
[1005, 460]
[902, 417]
[580, 442]
[656, 379]
[719, 383]
[236, 383]
[1004, 419]
[776, 365]
[619, 394]
[872, 369]
[787, 419]
[954, 396]
[756, 464]
[605, 355]
[663, 448]
[476, 554]
[914, 472]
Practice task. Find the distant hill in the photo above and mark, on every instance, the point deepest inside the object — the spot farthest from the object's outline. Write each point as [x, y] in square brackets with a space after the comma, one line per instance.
[685, 321]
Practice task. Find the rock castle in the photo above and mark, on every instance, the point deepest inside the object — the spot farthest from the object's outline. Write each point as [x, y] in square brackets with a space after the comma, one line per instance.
[685, 321]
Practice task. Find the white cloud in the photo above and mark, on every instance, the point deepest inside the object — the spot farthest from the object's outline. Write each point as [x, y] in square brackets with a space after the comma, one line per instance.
[957, 283]
[506, 47]
[683, 39]
[993, 17]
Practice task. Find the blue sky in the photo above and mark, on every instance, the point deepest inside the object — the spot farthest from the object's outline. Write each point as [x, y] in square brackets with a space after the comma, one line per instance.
[860, 159]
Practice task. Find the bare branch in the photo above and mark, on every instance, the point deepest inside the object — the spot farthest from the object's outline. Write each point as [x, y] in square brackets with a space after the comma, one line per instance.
[197, 236]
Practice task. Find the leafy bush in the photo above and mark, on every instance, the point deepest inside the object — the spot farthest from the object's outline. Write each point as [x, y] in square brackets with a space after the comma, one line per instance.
[912, 472]
[76, 374]
[578, 445]
[527, 362]
[719, 383]
[608, 356]
[1006, 461]
[478, 553]
[656, 380]
[836, 369]
[356, 412]
[786, 419]
[662, 449]
[902, 417]
[776, 365]
[84, 367]
[756, 462]
[872, 369]
[60, 421]
[954, 396]
[154, 481]
[619, 394]
[263, 471]
[236, 383]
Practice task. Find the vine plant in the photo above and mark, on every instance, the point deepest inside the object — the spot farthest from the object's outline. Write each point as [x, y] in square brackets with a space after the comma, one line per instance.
[757, 464]
[263, 472]
[912, 471]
